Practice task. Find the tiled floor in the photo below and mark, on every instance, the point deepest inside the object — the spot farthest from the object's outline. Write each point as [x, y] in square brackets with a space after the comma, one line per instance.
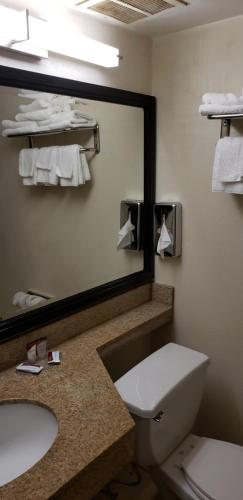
[145, 490]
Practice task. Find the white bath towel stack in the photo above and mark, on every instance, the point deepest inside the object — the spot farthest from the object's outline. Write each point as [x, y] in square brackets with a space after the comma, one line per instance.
[53, 166]
[228, 166]
[23, 300]
[220, 104]
[46, 112]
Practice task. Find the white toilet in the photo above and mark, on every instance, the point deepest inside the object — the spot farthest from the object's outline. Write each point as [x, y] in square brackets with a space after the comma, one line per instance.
[163, 394]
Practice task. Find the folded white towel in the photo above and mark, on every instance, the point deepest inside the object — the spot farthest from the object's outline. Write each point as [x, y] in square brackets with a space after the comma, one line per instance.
[23, 300]
[58, 103]
[214, 98]
[28, 129]
[74, 116]
[43, 114]
[33, 94]
[228, 166]
[33, 127]
[61, 125]
[62, 119]
[19, 299]
[13, 124]
[220, 109]
[40, 114]
[34, 106]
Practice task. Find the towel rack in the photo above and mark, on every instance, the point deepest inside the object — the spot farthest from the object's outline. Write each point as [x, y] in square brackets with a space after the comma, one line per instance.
[95, 129]
[225, 122]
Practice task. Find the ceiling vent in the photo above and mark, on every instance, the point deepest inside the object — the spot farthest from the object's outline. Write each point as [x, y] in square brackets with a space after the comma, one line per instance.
[128, 11]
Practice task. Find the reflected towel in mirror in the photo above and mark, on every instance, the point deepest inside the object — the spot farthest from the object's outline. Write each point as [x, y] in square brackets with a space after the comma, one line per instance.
[56, 165]
[125, 235]
[165, 239]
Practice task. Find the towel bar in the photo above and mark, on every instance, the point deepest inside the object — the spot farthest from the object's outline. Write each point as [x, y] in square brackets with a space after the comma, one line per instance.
[95, 129]
[225, 122]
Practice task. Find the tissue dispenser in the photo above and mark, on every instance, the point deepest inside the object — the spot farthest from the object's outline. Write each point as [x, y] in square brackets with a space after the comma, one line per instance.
[135, 209]
[172, 214]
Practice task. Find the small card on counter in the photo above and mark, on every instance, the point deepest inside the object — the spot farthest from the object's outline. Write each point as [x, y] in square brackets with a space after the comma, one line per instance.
[28, 367]
[54, 358]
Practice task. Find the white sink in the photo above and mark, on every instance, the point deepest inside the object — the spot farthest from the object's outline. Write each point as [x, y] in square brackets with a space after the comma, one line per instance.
[27, 432]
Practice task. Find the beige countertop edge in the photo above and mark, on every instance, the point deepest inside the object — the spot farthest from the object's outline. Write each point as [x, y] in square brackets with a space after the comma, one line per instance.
[80, 387]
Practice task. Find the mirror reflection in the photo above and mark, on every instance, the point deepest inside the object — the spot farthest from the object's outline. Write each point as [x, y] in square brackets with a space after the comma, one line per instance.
[61, 191]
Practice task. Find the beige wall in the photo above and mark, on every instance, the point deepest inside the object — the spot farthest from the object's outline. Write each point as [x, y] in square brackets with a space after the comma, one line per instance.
[58, 240]
[134, 72]
[208, 279]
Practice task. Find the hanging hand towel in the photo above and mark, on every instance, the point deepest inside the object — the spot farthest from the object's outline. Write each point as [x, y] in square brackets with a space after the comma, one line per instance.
[70, 169]
[85, 167]
[125, 235]
[228, 166]
[27, 159]
[38, 166]
[68, 160]
[45, 163]
[165, 240]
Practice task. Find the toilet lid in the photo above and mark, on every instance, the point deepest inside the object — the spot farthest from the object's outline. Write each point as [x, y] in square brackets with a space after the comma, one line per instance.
[215, 469]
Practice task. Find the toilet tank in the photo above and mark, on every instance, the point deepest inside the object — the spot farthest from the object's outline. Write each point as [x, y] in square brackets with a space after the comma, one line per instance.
[163, 393]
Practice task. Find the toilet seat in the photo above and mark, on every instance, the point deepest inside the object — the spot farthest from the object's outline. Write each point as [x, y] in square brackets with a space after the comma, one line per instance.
[214, 470]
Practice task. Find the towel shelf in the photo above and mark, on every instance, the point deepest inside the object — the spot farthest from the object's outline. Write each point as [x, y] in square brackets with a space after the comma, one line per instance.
[95, 129]
[226, 122]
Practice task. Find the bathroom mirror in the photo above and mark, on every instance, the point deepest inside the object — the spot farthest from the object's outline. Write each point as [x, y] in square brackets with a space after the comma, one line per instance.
[59, 236]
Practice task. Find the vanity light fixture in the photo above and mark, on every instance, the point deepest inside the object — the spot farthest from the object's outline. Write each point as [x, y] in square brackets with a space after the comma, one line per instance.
[86, 49]
[20, 32]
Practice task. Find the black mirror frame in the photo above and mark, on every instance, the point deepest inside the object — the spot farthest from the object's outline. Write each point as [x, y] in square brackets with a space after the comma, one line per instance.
[30, 320]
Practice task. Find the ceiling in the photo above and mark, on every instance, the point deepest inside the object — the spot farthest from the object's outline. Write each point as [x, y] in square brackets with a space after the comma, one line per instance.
[197, 13]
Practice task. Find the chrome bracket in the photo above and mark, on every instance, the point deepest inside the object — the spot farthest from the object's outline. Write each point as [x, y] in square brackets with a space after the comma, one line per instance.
[159, 417]
[225, 128]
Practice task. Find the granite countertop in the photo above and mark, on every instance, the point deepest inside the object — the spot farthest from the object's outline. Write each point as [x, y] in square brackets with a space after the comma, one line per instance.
[94, 424]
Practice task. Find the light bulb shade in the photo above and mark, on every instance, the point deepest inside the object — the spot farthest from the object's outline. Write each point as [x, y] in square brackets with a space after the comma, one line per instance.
[20, 32]
[23, 33]
[85, 49]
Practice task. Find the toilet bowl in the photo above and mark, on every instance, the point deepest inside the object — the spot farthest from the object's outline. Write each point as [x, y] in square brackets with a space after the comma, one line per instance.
[163, 394]
[202, 468]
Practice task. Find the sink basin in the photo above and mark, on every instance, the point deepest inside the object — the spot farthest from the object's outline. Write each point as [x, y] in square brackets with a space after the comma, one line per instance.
[27, 432]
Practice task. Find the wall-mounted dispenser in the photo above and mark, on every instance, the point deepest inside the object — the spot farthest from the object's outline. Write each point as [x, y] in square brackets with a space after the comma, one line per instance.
[133, 210]
[169, 216]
